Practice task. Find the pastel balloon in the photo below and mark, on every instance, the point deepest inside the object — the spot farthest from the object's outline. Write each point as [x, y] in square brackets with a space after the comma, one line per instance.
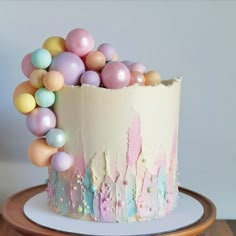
[90, 77]
[136, 66]
[70, 66]
[40, 121]
[115, 75]
[61, 161]
[53, 80]
[152, 78]
[116, 58]
[56, 138]
[79, 41]
[40, 153]
[95, 60]
[44, 97]
[25, 103]
[41, 58]
[26, 65]
[24, 87]
[136, 78]
[36, 78]
[54, 45]
[127, 62]
[107, 50]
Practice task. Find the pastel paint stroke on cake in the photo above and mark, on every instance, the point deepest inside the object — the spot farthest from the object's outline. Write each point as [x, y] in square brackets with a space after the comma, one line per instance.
[136, 157]
[134, 141]
[108, 200]
[88, 193]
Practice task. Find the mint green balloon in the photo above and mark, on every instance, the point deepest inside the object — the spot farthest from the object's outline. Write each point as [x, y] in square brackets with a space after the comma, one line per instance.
[44, 97]
[41, 58]
[56, 138]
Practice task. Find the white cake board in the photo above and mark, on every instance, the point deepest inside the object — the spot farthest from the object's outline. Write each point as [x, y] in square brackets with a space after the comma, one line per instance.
[188, 211]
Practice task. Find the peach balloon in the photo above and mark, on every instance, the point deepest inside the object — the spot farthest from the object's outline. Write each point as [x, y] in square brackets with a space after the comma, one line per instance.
[95, 60]
[36, 78]
[53, 80]
[136, 78]
[40, 152]
[24, 87]
[152, 78]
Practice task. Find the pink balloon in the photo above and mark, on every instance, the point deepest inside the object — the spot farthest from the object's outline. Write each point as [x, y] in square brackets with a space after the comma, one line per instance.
[40, 121]
[26, 65]
[136, 78]
[69, 65]
[79, 41]
[115, 75]
[136, 66]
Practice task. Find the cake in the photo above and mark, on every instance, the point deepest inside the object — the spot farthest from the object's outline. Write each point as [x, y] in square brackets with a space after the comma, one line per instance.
[107, 130]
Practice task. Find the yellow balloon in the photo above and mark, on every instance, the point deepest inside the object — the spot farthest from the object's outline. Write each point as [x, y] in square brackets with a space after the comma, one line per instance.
[25, 103]
[54, 45]
[152, 78]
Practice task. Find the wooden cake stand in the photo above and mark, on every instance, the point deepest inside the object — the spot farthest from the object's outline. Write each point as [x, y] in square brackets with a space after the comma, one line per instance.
[14, 215]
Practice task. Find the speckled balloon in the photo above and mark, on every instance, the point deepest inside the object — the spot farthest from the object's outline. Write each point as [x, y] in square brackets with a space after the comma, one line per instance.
[70, 66]
[61, 161]
[40, 121]
[115, 75]
[56, 138]
[79, 41]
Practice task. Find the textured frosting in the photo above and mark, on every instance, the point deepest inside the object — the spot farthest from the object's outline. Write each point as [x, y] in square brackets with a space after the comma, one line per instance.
[124, 148]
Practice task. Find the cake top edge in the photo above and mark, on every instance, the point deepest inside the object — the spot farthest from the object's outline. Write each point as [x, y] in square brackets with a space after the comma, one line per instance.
[167, 83]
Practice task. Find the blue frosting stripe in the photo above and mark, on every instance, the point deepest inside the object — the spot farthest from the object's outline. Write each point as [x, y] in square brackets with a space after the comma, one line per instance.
[88, 193]
[60, 198]
[161, 186]
[130, 194]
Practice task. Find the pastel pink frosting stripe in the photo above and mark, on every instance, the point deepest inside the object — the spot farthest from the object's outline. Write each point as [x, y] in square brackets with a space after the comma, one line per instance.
[134, 142]
[108, 200]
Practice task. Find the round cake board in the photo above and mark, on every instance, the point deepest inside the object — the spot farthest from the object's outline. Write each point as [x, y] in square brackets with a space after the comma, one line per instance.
[188, 212]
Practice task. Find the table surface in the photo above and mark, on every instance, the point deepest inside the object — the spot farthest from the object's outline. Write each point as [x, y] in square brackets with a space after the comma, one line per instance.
[14, 215]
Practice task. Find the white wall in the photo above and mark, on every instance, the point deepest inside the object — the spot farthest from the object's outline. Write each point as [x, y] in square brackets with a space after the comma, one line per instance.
[194, 39]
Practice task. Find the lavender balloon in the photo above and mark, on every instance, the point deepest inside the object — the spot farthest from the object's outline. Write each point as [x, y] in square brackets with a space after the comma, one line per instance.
[127, 62]
[136, 66]
[90, 77]
[115, 75]
[70, 66]
[61, 161]
[107, 50]
[40, 121]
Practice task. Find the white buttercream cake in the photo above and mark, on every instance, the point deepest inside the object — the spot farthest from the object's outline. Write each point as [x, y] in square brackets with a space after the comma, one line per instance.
[108, 138]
